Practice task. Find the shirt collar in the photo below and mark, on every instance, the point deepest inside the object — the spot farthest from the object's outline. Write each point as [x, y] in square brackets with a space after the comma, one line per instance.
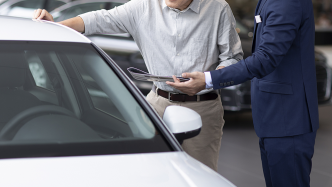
[194, 6]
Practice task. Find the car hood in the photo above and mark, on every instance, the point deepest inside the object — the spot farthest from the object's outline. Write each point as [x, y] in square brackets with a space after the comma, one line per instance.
[153, 169]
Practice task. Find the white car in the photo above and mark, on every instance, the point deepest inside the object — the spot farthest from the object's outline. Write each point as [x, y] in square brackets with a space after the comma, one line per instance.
[69, 116]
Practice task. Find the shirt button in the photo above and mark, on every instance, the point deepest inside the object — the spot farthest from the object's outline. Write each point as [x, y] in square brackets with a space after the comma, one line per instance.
[178, 54]
[179, 35]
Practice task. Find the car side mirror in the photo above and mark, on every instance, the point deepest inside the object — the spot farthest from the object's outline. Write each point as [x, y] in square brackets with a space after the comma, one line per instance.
[183, 122]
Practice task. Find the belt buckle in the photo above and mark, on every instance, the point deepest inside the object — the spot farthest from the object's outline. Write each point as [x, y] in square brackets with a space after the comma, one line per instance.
[169, 97]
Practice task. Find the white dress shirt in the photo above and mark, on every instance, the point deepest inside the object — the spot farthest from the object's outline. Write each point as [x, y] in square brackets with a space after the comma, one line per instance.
[199, 38]
[208, 80]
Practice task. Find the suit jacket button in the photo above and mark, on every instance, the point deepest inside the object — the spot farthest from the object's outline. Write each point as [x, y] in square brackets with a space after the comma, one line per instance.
[221, 84]
[232, 82]
[228, 83]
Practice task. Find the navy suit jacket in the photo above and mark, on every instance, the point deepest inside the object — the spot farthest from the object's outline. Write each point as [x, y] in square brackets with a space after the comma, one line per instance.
[281, 70]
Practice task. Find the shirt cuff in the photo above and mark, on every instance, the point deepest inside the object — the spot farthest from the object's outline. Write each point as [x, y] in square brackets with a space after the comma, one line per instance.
[208, 80]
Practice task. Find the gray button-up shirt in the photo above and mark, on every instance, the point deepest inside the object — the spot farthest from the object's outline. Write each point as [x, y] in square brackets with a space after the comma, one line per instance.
[199, 38]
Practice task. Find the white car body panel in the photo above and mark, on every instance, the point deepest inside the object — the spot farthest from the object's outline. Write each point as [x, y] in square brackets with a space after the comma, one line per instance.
[36, 30]
[148, 169]
[154, 169]
[113, 44]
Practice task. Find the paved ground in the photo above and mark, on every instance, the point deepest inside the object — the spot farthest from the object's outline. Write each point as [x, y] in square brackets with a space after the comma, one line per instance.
[239, 159]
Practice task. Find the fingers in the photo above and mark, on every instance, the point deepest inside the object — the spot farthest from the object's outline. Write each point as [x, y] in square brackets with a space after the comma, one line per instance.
[176, 80]
[37, 13]
[190, 75]
[42, 15]
[220, 67]
[186, 75]
[170, 83]
[173, 84]
[191, 87]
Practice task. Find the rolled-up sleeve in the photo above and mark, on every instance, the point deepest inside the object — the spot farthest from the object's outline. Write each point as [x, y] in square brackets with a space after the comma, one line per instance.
[228, 39]
[121, 19]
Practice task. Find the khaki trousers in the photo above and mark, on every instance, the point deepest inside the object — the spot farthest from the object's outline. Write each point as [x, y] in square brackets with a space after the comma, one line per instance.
[204, 147]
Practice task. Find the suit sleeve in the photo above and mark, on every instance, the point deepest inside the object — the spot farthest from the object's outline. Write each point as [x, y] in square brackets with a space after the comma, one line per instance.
[283, 20]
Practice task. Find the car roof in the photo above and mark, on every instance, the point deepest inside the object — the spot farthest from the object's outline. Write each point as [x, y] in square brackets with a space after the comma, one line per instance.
[22, 29]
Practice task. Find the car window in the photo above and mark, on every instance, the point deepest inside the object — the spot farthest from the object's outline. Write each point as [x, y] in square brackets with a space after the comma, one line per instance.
[99, 98]
[79, 9]
[25, 8]
[37, 70]
[2, 1]
[52, 4]
[84, 104]
[116, 4]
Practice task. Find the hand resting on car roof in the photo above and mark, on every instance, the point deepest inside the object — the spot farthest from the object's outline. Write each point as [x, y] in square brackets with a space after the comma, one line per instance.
[75, 23]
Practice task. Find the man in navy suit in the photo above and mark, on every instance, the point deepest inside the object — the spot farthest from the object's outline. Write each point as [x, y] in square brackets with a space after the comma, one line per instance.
[283, 89]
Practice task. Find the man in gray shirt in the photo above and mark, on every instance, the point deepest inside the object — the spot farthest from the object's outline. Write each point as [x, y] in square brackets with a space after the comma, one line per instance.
[175, 36]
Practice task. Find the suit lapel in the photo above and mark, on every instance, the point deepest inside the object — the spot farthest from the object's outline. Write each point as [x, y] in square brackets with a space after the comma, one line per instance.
[258, 10]
[257, 7]
[261, 6]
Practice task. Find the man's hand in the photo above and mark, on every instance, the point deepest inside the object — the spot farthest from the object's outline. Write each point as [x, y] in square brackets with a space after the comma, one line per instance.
[220, 67]
[42, 15]
[75, 23]
[191, 87]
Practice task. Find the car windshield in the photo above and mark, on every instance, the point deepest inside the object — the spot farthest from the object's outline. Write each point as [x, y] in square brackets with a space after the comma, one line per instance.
[60, 99]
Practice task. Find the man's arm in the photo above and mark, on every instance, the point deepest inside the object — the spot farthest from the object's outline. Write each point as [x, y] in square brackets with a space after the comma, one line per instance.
[283, 21]
[75, 23]
[281, 29]
[122, 19]
[229, 42]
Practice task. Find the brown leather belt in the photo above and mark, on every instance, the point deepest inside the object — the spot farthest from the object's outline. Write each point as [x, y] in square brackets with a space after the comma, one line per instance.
[177, 97]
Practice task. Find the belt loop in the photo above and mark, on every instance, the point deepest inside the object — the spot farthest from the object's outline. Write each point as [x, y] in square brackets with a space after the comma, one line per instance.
[157, 90]
[198, 98]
